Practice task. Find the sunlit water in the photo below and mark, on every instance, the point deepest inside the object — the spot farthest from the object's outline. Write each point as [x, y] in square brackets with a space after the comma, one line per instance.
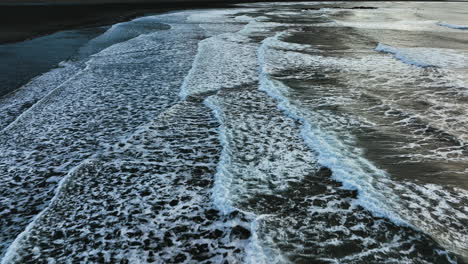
[267, 133]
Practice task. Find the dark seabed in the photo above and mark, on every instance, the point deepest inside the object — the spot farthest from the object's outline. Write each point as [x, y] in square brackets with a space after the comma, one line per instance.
[330, 132]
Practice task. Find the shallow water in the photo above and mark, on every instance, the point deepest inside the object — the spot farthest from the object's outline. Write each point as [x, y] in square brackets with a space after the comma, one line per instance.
[24, 60]
[315, 132]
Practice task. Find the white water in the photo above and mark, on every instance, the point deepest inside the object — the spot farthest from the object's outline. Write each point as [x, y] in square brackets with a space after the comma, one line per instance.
[427, 57]
[240, 124]
[348, 166]
[443, 24]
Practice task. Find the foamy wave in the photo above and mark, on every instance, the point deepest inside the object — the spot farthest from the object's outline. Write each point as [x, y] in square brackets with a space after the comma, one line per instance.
[15, 103]
[443, 24]
[405, 57]
[11, 253]
[99, 105]
[150, 191]
[337, 151]
[222, 190]
[426, 57]
[347, 167]
[222, 62]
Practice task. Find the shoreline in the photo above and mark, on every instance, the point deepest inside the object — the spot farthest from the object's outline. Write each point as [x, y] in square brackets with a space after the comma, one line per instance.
[32, 19]
[36, 38]
[25, 22]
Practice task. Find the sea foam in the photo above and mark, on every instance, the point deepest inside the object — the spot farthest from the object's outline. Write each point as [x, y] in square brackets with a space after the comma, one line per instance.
[347, 167]
[426, 57]
[453, 26]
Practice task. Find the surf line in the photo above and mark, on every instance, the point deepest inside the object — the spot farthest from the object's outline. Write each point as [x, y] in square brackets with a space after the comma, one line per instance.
[43, 100]
[327, 147]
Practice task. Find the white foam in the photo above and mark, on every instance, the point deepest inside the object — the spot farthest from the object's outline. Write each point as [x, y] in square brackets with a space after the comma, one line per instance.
[348, 168]
[228, 188]
[220, 191]
[42, 85]
[229, 61]
[427, 57]
[391, 25]
[386, 17]
[223, 61]
[230, 70]
[123, 90]
[33, 91]
[24, 116]
[347, 163]
[11, 252]
[453, 26]
[122, 32]
[336, 150]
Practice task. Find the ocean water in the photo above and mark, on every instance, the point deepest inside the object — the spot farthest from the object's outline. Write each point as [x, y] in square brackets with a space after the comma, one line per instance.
[267, 133]
[24, 60]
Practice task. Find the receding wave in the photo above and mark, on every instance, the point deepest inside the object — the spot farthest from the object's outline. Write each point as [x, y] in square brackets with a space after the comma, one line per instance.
[102, 103]
[239, 136]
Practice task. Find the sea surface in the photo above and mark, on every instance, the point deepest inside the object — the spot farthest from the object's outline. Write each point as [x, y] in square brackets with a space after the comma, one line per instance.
[22, 61]
[321, 132]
